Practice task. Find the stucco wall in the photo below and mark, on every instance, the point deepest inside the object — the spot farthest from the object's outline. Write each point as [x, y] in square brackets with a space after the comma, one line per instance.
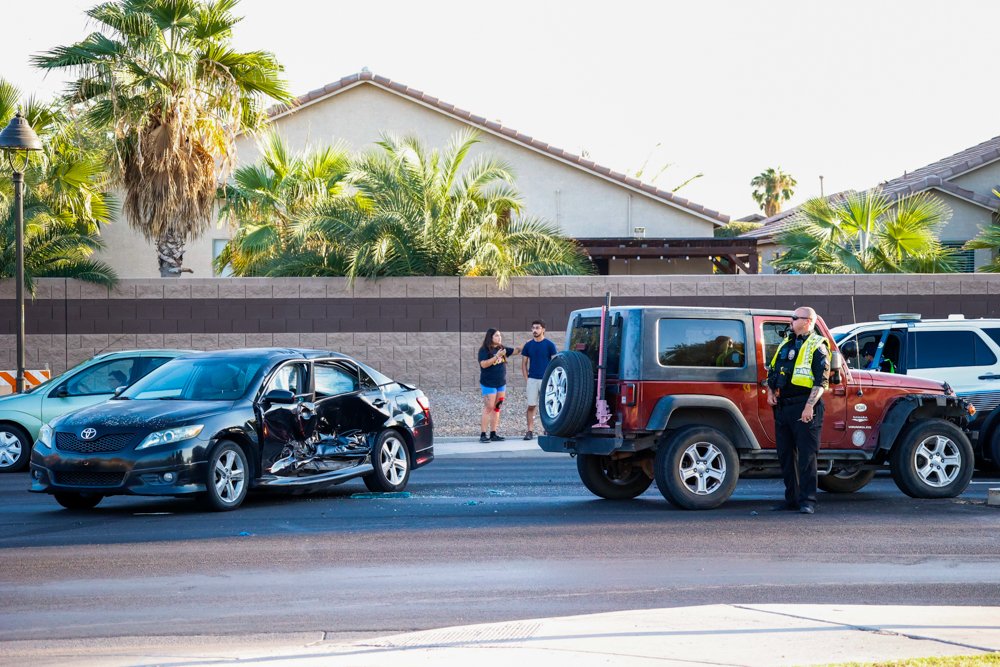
[425, 330]
[983, 180]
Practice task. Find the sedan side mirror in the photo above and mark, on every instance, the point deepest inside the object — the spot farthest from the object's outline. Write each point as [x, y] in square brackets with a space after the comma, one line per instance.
[62, 391]
[279, 397]
[119, 390]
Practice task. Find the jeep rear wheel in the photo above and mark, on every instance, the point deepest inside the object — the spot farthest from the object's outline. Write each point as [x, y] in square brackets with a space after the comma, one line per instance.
[567, 395]
[614, 479]
[697, 468]
[845, 482]
[932, 459]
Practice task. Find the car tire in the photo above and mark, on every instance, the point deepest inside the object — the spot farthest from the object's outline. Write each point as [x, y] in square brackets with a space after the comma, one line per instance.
[15, 448]
[391, 463]
[845, 483]
[932, 459]
[697, 468]
[227, 478]
[567, 394]
[613, 479]
[78, 501]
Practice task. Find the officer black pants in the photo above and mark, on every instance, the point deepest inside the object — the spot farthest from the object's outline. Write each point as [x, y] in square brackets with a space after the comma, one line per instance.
[798, 444]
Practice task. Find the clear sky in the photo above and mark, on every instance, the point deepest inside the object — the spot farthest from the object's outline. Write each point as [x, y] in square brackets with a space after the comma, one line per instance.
[855, 91]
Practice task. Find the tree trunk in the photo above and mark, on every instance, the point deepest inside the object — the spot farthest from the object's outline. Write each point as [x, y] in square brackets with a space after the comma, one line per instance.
[170, 252]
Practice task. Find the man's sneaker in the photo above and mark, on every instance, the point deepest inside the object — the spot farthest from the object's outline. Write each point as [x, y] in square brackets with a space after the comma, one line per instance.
[529, 436]
[484, 438]
[496, 438]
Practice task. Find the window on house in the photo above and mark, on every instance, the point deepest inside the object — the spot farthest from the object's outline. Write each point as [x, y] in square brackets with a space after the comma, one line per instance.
[217, 246]
[965, 260]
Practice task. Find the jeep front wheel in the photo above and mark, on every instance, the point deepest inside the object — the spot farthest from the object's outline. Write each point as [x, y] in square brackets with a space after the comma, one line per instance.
[567, 400]
[611, 478]
[932, 459]
[845, 482]
[697, 468]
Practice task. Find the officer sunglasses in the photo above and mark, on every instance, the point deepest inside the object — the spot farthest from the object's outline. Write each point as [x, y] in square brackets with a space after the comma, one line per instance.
[796, 318]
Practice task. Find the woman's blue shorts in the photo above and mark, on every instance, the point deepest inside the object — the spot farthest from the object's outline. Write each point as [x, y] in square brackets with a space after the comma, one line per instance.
[492, 390]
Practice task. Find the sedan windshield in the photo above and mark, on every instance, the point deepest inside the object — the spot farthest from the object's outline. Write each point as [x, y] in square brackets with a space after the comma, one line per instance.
[200, 379]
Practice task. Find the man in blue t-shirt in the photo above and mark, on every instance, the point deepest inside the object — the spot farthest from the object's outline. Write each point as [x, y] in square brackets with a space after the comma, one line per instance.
[535, 357]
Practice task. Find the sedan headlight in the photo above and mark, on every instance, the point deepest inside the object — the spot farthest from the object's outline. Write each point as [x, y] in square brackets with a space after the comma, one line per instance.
[45, 436]
[171, 435]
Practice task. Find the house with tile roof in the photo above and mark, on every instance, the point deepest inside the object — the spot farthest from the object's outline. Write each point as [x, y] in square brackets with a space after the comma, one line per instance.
[586, 200]
[964, 181]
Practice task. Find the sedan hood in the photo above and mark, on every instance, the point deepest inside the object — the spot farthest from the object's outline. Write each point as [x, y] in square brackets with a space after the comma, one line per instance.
[871, 378]
[151, 414]
[22, 402]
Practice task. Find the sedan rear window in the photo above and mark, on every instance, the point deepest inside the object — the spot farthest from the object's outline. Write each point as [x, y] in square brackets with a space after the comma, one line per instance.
[197, 380]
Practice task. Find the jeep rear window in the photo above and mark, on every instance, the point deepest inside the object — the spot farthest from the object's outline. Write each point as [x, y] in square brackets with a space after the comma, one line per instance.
[585, 336]
[701, 343]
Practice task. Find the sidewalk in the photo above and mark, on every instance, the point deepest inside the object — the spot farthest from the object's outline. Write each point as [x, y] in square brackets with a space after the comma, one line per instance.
[512, 446]
[752, 635]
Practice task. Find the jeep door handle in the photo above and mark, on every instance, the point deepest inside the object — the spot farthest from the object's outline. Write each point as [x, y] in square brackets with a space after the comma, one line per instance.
[990, 376]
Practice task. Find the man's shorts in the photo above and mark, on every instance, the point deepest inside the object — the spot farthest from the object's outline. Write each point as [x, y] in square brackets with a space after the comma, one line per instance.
[533, 388]
[492, 390]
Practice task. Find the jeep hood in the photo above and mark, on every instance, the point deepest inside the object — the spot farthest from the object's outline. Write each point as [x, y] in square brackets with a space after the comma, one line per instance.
[875, 378]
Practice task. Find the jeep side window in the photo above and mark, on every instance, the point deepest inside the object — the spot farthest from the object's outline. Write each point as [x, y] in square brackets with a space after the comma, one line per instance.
[774, 334]
[947, 349]
[701, 343]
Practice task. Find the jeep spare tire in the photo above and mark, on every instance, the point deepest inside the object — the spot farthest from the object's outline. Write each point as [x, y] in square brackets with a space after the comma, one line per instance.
[567, 394]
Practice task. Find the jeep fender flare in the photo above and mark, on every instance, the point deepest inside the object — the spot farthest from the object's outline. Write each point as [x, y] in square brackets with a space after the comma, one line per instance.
[936, 405]
[718, 411]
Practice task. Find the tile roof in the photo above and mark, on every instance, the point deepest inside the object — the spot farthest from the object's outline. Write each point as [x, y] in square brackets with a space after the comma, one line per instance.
[933, 176]
[502, 130]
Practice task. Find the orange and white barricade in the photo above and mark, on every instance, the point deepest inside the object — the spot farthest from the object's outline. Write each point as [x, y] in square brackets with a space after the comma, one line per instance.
[8, 380]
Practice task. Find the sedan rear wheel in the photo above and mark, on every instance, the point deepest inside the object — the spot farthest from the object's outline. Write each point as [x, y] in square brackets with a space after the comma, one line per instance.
[391, 460]
[15, 448]
[226, 484]
[845, 482]
[614, 479]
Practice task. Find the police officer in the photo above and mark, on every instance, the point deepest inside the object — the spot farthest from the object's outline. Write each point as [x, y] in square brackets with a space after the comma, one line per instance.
[796, 380]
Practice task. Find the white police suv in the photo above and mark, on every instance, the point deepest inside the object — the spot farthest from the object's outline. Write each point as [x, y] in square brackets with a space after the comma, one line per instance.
[964, 353]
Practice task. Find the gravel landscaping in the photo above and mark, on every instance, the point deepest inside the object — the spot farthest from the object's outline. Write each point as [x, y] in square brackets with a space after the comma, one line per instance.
[457, 412]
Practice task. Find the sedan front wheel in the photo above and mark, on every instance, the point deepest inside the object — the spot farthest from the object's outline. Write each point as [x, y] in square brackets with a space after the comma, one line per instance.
[226, 485]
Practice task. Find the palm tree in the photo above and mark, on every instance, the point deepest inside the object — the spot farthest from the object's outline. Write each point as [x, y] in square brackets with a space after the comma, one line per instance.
[65, 201]
[771, 188]
[163, 77]
[424, 212]
[867, 232]
[265, 200]
[988, 239]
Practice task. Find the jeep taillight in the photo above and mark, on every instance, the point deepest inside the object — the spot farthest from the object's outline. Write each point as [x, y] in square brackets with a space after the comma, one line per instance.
[628, 393]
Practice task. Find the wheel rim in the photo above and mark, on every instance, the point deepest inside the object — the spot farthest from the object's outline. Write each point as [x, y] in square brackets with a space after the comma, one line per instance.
[10, 449]
[702, 468]
[555, 392]
[393, 461]
[230, 476]
[938, 461]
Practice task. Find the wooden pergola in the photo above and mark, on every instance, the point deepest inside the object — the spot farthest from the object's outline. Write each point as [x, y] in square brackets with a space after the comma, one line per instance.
[727, 255]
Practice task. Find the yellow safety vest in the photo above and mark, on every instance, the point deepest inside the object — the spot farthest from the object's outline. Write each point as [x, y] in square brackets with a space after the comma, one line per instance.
[802, 375]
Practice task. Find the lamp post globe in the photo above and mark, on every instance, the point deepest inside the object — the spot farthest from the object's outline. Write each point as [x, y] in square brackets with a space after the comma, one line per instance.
[17, 140]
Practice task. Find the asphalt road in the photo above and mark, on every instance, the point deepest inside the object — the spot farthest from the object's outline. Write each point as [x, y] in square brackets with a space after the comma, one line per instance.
[480, 539]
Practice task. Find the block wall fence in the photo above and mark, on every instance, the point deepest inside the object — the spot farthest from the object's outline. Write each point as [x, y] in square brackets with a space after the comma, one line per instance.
[423, 330]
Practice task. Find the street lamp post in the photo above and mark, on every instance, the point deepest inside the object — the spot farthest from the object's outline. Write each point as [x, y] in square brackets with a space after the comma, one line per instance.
[16, 140]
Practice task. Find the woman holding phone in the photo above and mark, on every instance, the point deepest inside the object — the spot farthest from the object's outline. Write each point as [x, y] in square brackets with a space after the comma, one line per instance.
[493, 382]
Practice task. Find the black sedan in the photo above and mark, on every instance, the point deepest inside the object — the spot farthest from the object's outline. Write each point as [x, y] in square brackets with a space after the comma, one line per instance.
[216, 424]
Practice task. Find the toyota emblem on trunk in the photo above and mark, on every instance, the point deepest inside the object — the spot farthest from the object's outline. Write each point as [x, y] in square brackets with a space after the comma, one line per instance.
[88, 433]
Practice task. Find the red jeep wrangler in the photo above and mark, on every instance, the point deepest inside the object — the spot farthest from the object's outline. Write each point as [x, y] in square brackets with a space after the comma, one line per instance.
[686, 406]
